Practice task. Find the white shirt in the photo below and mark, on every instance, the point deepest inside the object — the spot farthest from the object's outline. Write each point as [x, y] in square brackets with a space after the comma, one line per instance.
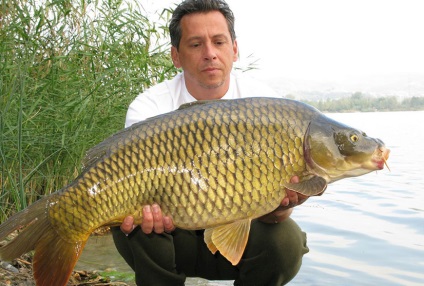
[171, 94]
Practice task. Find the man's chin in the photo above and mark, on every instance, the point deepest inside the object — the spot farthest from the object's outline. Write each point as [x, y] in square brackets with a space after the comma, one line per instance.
[212, 85]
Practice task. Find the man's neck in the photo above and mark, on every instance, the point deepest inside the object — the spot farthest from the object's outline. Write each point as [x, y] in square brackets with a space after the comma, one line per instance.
[207, 93]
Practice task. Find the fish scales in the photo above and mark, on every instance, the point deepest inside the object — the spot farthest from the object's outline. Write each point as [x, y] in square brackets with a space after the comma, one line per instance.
[213, 165]
[203, 165]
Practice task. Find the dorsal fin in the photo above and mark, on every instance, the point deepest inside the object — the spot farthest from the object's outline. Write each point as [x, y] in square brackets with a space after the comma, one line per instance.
[93, 155]
[197, 103]
[105, 147]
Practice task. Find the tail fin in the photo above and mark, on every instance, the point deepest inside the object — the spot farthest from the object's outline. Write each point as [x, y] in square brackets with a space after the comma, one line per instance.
[54, 258]
[31, 218]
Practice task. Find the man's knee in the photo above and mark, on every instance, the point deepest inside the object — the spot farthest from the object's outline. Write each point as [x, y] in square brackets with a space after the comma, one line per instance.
[274, 252]
[288, 242]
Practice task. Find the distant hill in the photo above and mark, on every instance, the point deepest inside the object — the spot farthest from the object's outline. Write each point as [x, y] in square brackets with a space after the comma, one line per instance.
[402, 85]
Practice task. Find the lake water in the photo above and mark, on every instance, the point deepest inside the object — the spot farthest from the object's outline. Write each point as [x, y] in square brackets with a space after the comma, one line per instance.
[370, 230]
[363, 231]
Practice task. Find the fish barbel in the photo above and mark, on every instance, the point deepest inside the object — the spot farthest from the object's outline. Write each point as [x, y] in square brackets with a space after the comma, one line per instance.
[213, 165]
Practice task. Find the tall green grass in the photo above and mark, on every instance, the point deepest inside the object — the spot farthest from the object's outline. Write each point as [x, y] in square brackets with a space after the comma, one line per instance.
[68, 71]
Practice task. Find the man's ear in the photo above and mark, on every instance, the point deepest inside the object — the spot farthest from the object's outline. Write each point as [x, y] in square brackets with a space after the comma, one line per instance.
[235, 50]
[175, 57]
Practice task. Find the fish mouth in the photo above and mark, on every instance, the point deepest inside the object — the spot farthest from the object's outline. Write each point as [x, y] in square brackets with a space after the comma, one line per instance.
[380, 157]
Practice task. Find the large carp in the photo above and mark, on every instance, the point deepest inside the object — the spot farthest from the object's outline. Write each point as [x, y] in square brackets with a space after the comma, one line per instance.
[213, 165]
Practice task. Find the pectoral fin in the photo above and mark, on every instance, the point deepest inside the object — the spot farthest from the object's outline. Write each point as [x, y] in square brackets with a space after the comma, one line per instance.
[229, 239]
[312, 187]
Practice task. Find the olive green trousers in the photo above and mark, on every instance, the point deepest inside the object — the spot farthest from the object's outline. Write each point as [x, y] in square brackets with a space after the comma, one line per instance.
[273, 256]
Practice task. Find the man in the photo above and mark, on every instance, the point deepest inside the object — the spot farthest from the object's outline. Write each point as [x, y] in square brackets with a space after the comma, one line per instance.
[204, 45]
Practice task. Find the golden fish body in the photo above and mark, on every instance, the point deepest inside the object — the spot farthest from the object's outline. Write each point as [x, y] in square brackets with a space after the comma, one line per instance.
[206, 165]
[211, 165]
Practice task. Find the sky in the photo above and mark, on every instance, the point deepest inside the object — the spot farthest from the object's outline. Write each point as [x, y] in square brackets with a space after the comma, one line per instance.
[327, 39]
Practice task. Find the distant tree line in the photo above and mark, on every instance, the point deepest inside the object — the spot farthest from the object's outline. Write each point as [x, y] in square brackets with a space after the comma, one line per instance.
[360, 102]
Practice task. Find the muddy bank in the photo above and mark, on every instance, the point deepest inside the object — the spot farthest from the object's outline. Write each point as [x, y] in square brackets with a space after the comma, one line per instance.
[99, 265]
[95, 267]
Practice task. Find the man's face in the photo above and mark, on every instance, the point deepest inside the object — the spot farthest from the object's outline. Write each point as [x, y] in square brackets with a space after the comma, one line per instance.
[206, 52]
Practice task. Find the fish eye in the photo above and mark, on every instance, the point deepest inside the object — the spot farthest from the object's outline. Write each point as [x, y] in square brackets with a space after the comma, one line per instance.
[354, 138]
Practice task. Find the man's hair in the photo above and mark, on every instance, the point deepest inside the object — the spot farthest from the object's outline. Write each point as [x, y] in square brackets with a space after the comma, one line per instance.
[198, 6]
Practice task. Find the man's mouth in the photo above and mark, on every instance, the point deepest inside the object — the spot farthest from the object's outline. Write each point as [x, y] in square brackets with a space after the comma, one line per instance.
[210, 69]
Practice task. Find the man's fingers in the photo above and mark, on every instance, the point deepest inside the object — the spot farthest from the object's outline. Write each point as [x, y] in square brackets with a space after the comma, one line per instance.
[301, 198]
[147, 225]
[157, 219]
[292, 196]
[127, 225]
[286, 201]
[168, 224]
[153, 221]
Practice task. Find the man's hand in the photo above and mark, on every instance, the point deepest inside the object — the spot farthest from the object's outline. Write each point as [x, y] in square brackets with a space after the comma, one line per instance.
[153, 221]
[286, 207]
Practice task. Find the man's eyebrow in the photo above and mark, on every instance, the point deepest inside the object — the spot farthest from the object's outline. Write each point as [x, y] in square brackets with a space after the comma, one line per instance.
[225, 36]
[194, 38]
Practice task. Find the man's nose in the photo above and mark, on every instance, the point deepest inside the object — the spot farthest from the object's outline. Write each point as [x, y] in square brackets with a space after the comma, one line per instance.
[209, 52]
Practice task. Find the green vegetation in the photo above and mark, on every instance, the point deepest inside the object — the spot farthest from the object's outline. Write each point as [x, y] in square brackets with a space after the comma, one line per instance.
[361, 102]
[68, 71]
[118, 276]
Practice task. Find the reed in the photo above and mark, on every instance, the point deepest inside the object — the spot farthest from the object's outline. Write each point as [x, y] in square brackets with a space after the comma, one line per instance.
[68, 71]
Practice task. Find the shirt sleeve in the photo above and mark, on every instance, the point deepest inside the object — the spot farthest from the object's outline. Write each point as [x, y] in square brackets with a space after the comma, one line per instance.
[144, 106]
[156, 100]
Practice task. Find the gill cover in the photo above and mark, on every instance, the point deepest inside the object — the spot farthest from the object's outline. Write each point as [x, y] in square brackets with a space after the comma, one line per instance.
[335, 151]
